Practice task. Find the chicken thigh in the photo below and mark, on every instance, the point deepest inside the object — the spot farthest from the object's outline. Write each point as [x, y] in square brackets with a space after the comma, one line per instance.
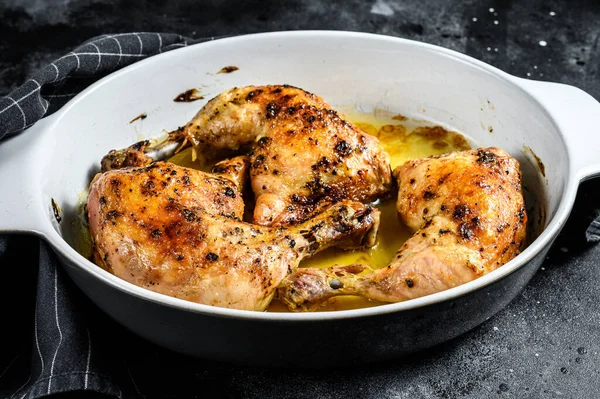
[178, 231]
[469, 216]
[303, 154]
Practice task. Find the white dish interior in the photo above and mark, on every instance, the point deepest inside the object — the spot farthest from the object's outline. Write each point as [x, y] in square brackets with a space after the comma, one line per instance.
[361, 71]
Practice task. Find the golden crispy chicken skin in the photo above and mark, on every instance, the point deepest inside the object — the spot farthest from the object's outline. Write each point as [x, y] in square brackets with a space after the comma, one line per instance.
[469, 218]
[303, 154]
[178, 231]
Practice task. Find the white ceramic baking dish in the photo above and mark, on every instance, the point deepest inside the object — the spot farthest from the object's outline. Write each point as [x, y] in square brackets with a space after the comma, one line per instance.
[56, 158]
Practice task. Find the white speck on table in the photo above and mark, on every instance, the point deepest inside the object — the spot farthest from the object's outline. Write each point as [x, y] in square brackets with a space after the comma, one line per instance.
[382, 8]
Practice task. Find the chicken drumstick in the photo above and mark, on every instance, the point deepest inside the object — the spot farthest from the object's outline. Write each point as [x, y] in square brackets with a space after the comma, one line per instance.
[469, 216]
[303, 154]
[178, 231]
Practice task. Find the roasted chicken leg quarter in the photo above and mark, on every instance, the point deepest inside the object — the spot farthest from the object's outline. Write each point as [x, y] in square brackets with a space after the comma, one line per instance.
[303, 154]
[469, 218]
[178, 231]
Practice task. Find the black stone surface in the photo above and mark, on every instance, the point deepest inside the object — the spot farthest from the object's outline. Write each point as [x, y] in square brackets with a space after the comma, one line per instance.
[545, 344]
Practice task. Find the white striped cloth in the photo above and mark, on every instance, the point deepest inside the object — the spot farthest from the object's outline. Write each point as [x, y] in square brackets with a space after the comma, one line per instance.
[592, 234]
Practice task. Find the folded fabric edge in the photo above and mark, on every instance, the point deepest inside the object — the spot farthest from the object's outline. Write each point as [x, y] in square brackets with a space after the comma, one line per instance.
[69, 382]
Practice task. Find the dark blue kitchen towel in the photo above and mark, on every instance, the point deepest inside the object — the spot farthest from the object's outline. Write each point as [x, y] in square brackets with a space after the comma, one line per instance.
[48, 344]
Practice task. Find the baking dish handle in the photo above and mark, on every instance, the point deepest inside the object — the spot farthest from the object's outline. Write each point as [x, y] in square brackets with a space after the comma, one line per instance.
[578, 116]
[21, 205]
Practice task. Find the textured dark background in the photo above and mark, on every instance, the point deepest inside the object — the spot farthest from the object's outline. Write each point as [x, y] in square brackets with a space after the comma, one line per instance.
[544, 345]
